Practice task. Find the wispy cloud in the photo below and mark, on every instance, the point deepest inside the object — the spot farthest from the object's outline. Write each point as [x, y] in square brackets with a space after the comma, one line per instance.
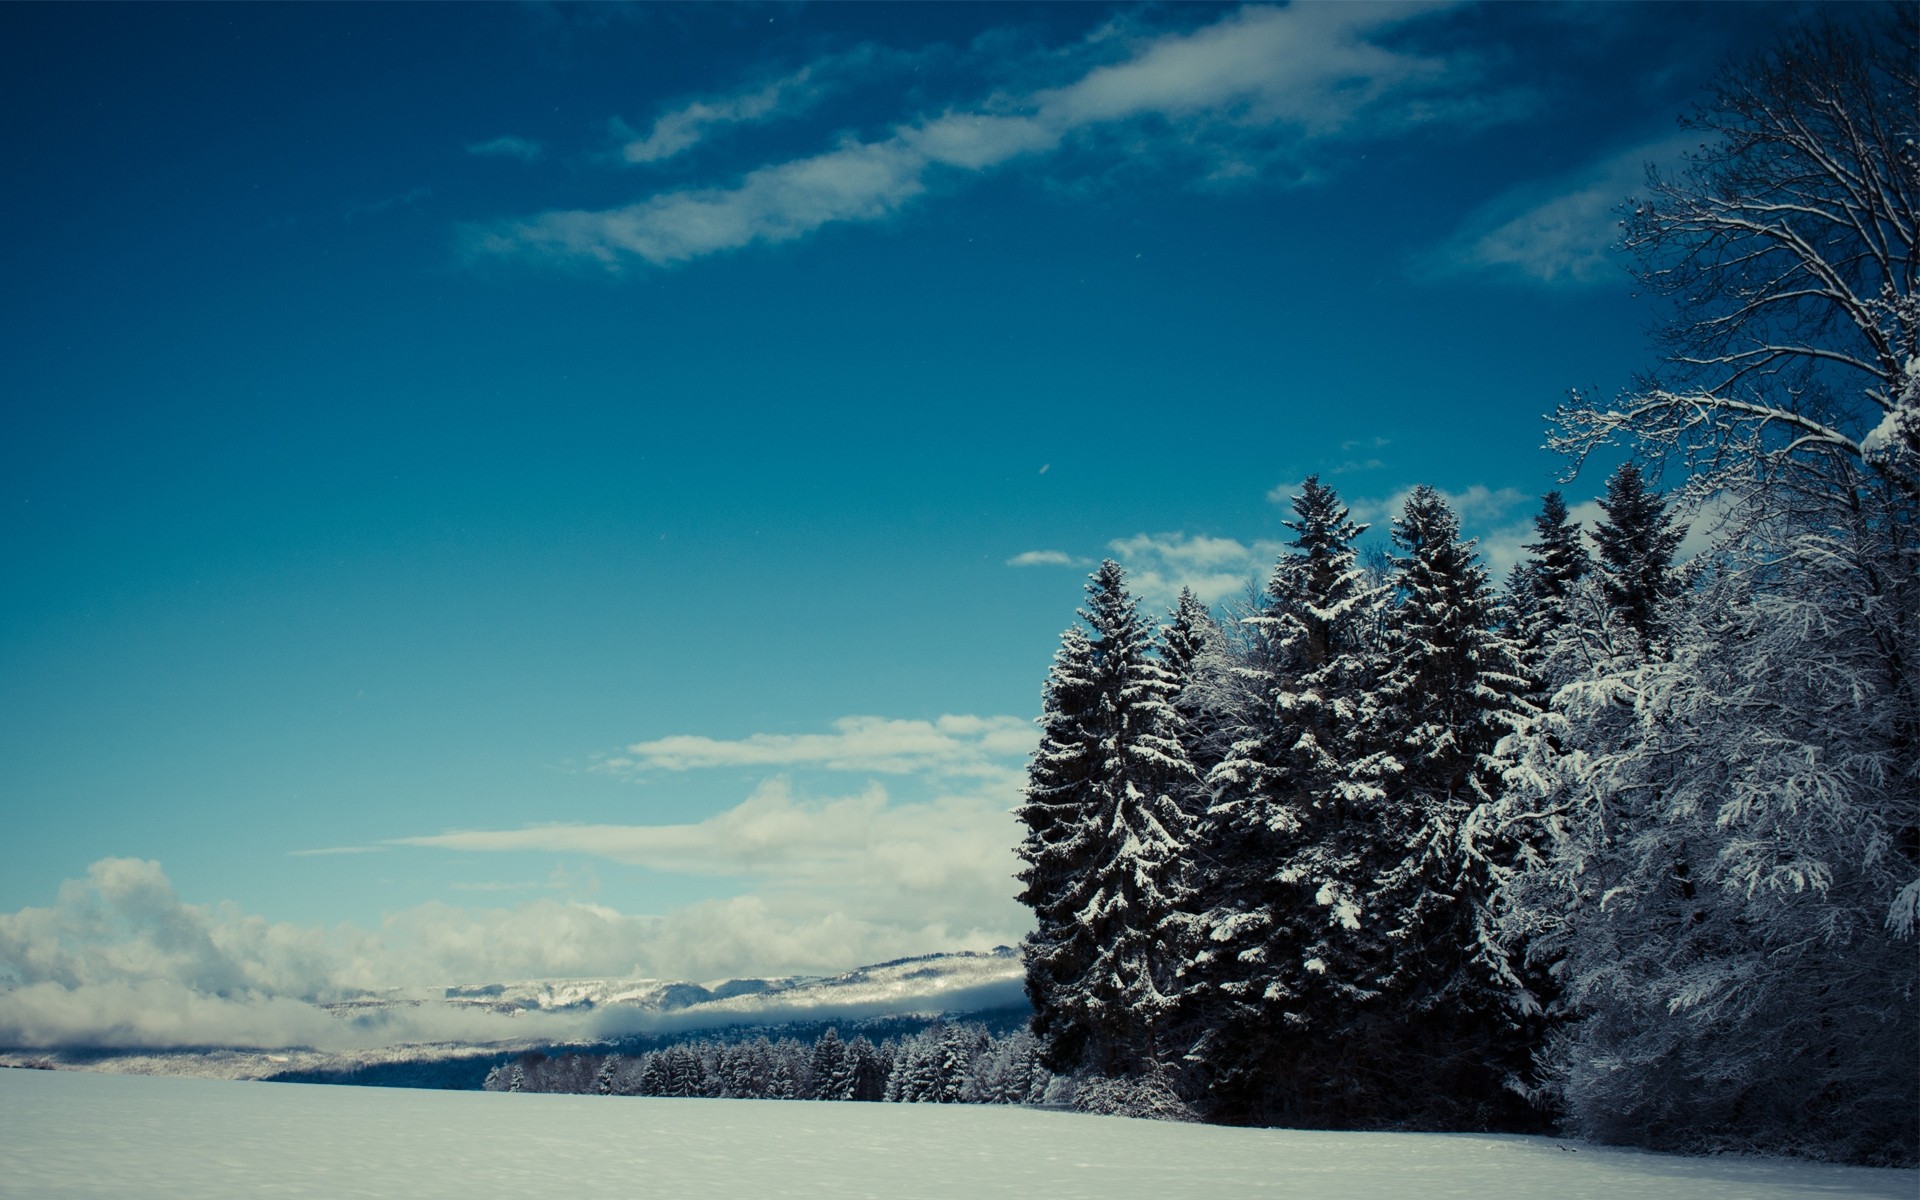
[948, 745]
[866, 852]
[1300, 76]
[1047, 558]
[691, 122]
[1559, 232]
[509, 146]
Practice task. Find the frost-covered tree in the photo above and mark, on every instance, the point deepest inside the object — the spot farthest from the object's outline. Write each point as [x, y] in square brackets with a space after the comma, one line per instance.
[1731, 825]
[1730, 886]
[1104, 840]
[831, 1068]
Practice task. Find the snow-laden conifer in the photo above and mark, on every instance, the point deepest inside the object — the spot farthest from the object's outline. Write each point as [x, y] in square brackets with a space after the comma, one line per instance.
[1541, 590]
[1433, 980]
[1637, 542]
[1278, 837]
[1104, 840]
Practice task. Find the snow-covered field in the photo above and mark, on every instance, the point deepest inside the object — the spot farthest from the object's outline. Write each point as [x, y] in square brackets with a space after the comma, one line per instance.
[80, 1134]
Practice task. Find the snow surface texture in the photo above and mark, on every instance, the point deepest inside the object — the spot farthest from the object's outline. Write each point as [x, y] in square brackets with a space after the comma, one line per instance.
[77, 1134]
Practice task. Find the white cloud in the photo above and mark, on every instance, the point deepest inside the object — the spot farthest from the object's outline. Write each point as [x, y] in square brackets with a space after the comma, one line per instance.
[930, 863]
[858, 181]
[826, 883]
[1046, 558]
[1560, 232]
[952, 744]
[1477, 505]
[508, 146]
[1298, 75]
[1160, 564]
[682, 128]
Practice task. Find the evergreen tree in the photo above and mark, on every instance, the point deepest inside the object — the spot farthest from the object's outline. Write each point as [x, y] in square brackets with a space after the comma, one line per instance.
[1559, 561]
[1277, 836]
[1436, 1000]
[1104, 840]
[1542, 588]
[604, 1079]
[871, 1067]
[1193, 650]
[1637, 542]
[832, 1068]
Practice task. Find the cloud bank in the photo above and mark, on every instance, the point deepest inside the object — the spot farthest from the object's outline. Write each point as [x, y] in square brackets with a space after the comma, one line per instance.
[828, 882]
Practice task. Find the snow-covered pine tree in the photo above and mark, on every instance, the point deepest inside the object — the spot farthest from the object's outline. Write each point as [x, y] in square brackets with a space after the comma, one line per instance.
[1104, 840]
[1544, 586]
[871, 1066]
[1193, 650]
[1277, 837]
[832, 1068]
[1637, 543]
[1435, 1025]
[784, 1080]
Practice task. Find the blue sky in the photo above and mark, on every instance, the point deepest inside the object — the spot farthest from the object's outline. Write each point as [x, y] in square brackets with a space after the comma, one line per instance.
[515, 490]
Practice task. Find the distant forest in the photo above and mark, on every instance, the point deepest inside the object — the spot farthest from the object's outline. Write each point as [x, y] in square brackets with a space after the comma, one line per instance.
[944, 1063]
[1626, 844]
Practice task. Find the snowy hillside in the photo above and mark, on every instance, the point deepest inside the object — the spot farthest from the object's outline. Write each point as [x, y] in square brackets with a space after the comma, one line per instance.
[932, 983]
[514, 1016]
[78, 1135]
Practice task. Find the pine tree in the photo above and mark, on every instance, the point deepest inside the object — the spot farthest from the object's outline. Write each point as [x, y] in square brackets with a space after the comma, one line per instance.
[1193, 650]
[832, 1068]
[1542, 589]
[1436, 991]
[1637, 543]
[871, 1067]
[1104, 840]
[603, 1080]
[1273, 836]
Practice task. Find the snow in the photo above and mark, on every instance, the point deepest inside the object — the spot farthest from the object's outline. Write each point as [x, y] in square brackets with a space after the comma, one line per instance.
[541, 1013]
[76, 1134]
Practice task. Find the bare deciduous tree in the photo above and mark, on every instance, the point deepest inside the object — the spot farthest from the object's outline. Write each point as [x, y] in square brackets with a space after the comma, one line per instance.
[1789, 248]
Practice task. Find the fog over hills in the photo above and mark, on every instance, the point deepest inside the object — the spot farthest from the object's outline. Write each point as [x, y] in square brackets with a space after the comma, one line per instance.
[416, 1026]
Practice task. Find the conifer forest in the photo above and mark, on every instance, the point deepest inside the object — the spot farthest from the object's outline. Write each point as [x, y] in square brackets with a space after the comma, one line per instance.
[1626, 844]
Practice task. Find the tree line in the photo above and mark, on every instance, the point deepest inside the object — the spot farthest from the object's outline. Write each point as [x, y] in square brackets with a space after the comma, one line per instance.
[947, 1063]
[1627, 845]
